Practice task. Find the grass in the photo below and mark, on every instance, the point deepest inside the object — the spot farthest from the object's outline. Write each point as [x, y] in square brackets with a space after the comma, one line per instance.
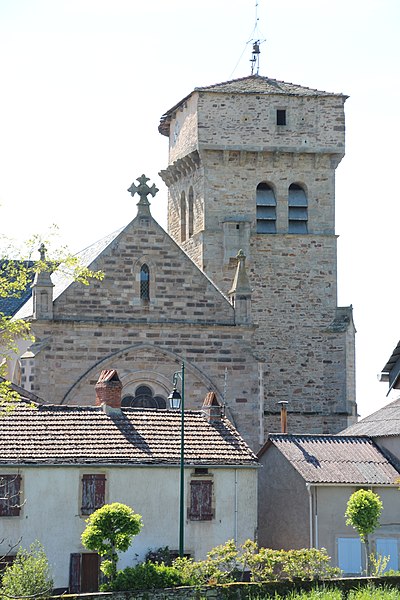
[363, 594]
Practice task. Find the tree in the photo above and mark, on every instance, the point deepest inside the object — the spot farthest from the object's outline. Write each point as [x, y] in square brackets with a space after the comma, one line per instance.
[29, 575]
[109, 529]
[362, 513]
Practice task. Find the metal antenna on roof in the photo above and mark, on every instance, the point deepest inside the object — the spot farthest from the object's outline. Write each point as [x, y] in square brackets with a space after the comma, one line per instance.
[256, 41]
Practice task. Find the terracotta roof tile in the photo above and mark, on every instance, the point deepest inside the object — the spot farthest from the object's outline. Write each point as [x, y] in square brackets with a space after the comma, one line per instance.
[336, 459]
[87, 435]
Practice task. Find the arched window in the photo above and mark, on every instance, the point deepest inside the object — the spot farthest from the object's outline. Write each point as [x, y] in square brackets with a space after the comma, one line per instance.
[190, 210]
[144, 398]
[266, 209]
[145, 283]
[183, 217]
[298, 212]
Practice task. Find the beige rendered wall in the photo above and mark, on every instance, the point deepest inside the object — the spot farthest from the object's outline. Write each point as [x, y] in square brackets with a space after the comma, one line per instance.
[51, 510]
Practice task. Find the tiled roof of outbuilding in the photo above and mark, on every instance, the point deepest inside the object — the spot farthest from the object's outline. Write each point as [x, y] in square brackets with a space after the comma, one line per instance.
[87, 435]
[384, 422]
[335, 459]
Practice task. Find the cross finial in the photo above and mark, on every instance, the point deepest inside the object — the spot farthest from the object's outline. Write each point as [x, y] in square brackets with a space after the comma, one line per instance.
[143, 190]
[42, 251]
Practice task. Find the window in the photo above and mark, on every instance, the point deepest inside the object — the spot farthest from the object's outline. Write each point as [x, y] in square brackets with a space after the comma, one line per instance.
[201, 500]
[349, 555]
[190, 207]
[298, 213]
[266, 209]
[144, 398]
[10, 503]
[281, 117]
[389, 547]
[93, 493]
[183, 217]
[84, 573]
[145, 283]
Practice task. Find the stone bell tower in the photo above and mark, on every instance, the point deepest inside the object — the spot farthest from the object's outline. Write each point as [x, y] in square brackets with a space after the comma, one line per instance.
[252, 167]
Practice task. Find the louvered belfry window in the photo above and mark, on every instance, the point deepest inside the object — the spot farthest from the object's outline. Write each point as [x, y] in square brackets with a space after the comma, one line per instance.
[145, 283]
[266, 209]
[10, 501]
[93, 493]
[201, 500]
[298, 209]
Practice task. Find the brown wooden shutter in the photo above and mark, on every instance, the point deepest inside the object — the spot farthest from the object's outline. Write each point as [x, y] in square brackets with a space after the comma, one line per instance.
[10, 502]
[75, 573]
[201, 501]
[93, 493]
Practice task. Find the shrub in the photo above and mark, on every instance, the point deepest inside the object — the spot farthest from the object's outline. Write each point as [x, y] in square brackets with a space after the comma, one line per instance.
[146, 576]
[161, 555]
[28, 575]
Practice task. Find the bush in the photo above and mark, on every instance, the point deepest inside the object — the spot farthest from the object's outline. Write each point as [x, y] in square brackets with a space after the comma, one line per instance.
[160, 556]
[145, 576]
[227, 563]
[28, 575]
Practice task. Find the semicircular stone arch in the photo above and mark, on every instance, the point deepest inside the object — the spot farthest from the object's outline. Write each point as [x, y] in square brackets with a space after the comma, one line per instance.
[144, 365]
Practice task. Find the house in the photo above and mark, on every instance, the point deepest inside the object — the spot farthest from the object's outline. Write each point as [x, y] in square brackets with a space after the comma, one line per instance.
[59, 463]
[304, 486]
[243, 286]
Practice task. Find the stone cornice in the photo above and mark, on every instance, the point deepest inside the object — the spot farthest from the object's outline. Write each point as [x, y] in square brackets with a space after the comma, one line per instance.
[180, 168]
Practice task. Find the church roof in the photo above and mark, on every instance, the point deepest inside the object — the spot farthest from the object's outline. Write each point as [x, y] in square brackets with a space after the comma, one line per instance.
[335, 459]
[253, 84]
[54, 435]
[384, 422]
[62, 280]
[257, 84]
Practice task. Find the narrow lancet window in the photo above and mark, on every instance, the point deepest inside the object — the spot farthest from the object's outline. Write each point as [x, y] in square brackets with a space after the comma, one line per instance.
[298, 209]
[145, 283]
[266, 209]
[183, 217]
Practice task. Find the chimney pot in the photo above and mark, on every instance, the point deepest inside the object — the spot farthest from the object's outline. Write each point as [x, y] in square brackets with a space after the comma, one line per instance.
[108, 390]
[211, 408]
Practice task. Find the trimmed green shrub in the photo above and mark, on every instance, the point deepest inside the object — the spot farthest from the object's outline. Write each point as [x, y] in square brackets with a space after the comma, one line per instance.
[145, 576]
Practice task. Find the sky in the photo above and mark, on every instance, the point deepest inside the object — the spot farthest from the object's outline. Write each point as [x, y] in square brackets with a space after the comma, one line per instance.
[85, 82]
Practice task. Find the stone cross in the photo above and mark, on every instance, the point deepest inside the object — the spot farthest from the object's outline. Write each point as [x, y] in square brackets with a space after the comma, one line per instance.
[143, 190]
[42, 251]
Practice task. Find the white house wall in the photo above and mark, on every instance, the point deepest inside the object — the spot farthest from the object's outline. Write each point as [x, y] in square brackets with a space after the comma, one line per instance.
[51, 510]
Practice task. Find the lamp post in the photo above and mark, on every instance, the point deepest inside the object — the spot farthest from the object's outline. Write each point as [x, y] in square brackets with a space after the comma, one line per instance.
[177, 401]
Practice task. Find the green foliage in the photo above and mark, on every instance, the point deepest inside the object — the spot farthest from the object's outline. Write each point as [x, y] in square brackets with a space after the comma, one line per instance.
[363, 511]
[110, 529]
[378, 564]
[29, 574]
[146, 576]
[227, 563]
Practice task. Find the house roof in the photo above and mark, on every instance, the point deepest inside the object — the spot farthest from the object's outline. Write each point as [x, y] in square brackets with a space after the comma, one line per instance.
[330, 459]
[391, 371]
[382, 423]
[80, 435]
[253, 84]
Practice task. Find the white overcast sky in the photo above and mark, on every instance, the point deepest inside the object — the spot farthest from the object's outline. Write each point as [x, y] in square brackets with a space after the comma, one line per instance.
[85, 82]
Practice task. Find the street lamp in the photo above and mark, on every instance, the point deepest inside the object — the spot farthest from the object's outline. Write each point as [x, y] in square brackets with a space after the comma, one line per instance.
[177, 400]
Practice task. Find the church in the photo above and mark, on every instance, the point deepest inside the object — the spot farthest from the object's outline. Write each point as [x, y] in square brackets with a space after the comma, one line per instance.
[242, 289]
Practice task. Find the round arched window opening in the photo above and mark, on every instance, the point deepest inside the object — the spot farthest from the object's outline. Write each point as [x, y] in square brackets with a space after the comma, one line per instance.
[144, 398]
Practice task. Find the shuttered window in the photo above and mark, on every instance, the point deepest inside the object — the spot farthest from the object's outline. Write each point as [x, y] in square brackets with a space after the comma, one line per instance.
[10, 502]
[93, 493]
[266, 209]
[389, 547]
[298, 209]
[201, 500]
[349, 555]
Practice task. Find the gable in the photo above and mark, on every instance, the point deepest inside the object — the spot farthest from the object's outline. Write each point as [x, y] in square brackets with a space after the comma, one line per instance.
[178, 290]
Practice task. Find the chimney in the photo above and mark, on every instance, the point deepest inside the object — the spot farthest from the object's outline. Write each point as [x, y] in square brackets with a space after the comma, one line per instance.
[283, 404]
[108, 391]
[211, 408]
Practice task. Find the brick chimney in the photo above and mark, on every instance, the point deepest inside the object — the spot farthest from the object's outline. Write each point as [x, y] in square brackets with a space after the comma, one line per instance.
[211, 408]
[108, 390]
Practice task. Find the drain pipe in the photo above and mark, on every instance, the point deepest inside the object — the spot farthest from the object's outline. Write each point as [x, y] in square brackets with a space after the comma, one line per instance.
[235, 534]
[310, 512]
